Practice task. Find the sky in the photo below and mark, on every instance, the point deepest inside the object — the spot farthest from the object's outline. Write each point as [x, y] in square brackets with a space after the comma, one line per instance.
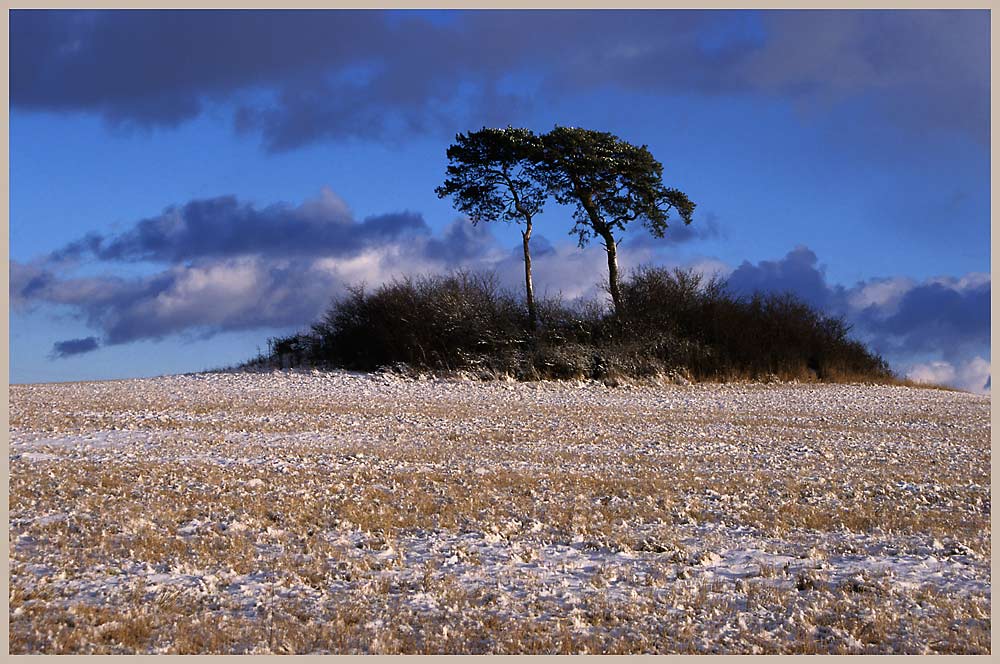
[186, 184]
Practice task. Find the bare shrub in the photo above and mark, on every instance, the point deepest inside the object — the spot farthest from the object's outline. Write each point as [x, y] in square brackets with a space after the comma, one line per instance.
[670, 322]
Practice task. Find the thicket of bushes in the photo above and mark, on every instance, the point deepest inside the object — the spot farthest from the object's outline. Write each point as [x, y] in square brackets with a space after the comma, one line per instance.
[672, 323]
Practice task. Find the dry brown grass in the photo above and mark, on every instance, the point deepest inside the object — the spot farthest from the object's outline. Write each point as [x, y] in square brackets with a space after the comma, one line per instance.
[307, 514]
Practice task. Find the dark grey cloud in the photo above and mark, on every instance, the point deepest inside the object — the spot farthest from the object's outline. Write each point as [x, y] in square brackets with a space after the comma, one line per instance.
[798, 273]
[539, 245]
[224, 226]
[298, 77]
[159, 67]
[922, 69]
[704, 227]
[461, 242]
[946, 317]
[27, 280]
[70, 347]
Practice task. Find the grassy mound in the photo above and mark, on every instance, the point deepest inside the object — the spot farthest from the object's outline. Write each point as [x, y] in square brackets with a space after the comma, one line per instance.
[672, 323]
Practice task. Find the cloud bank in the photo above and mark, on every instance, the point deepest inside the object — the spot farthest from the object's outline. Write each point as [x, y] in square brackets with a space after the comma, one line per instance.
[294, 78]
[225, 227]
[944, 318]
[221, 264]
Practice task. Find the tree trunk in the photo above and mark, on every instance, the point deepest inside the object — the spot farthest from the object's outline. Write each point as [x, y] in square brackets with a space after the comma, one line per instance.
[529, 289]
[604, 231]
[612, 249]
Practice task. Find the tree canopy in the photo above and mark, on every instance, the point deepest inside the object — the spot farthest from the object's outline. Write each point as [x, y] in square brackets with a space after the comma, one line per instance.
[610, 183]
[492, 175]
[507, 174]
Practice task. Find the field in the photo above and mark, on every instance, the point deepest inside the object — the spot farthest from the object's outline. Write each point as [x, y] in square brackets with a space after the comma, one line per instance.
[299, 512]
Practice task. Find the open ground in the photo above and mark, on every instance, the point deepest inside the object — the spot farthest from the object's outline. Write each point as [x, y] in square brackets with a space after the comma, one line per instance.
[314, 512]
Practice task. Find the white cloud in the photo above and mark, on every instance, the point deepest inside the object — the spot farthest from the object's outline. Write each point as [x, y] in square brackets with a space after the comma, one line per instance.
[971, 375]
[328, 206]
[965, 282]
[884, 294]
[230, 285]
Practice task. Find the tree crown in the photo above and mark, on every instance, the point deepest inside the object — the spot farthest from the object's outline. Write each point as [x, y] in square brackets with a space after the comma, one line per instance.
[493, 175]
[609, 181]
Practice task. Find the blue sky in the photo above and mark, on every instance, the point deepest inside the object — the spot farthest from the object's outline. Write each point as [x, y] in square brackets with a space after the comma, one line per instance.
[186, 184]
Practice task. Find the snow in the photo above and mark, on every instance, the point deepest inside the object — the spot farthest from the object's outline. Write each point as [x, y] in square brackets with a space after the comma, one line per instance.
[716, 510]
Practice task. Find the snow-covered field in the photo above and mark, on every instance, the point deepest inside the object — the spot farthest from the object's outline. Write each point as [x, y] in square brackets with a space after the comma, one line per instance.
[315, 513]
